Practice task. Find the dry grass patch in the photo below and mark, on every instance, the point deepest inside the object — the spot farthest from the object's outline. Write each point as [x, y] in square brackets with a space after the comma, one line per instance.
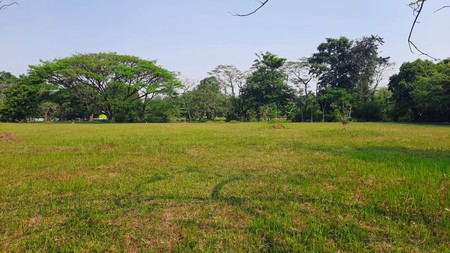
[195, 151]
[8, 137]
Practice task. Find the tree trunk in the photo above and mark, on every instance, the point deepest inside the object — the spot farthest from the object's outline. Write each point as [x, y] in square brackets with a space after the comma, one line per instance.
[144, 109]
[323, 115]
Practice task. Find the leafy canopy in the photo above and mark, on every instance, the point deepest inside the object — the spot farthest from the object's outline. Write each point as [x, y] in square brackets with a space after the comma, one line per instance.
[107, 82]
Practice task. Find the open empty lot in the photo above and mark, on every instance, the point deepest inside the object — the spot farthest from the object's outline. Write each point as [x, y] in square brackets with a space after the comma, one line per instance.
[234, 187]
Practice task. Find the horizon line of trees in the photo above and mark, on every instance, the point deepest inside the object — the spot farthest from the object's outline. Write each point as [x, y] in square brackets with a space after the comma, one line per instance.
[347, 78]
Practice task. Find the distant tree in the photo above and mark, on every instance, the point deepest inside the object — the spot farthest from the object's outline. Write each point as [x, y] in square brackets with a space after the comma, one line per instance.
[308, 109]
[187, 107]
[431, 93]
[164, 109]
[350, 65]
[312, 106]
[367, 63]
[347, 64]
[6, 80]
[266, 88]
[49, 110]
[230, 78]
[211, 84]
[401, 86]
[332, 64]
[380, 73]
[70, 105]
[22, 100]
[342, 105]
[206, 101]
[383, 97]
[299, 74]
[335, 103]
[421, 91]
[108, 82]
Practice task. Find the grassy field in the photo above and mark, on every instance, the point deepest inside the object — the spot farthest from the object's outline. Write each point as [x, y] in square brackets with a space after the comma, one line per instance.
[233, 187]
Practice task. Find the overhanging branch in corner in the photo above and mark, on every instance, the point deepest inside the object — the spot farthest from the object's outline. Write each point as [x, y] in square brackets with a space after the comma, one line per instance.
[417, 8]
[261, 2]
[4, 6]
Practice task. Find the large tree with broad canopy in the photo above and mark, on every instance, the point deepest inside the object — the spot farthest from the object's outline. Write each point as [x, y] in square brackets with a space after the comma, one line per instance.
[108, 82]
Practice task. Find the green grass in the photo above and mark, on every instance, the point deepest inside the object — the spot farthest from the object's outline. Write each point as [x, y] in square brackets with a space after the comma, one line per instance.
[214, 187]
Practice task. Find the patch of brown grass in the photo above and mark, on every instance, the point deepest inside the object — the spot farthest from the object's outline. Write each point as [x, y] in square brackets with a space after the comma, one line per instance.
[107, 167]
[159, 231]
[8, 137]
[278, 126]
[195, 151]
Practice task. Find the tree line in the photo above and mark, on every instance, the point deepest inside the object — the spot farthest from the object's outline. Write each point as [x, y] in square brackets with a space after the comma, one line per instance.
[343, 81]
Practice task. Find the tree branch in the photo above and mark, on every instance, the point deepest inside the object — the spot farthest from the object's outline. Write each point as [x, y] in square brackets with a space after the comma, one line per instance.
[443, 7]
[417, 10]
[4, 6]
[262, 3]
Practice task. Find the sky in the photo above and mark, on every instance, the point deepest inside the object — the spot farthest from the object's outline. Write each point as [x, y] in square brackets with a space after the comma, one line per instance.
[193, 37]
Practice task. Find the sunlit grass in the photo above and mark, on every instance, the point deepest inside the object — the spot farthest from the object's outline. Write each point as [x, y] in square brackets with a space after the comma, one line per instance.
[243, 187]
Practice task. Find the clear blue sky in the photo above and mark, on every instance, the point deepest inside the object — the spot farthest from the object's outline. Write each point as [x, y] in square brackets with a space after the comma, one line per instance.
[194, 36]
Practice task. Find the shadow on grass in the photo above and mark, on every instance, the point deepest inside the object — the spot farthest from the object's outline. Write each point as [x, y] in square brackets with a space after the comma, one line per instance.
[394, 152]
[244, 203]
[418, 162]
[387, 154]
[85, 222]
[269, 229]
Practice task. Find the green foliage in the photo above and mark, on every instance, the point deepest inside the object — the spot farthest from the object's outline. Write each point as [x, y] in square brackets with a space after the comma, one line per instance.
[50, 110]
[206, 102]
[6, 80]
[22, 99]
[369, 111]
[70, 104]
[108, 82]
[365, 60]
[266, 89]
[332, 64]
[341, 105]
[421, 91]
[336, 104]
[230, 78]
[299, 74]
[384, 98]
[122, 87]
[308, 109]
[210, 84]
[378, 109]
[431, 94]
[347, 64]
[128, 112]
[163, 109]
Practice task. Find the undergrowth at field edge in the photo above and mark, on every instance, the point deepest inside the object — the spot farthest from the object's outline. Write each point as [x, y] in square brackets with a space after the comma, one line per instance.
[214, 187]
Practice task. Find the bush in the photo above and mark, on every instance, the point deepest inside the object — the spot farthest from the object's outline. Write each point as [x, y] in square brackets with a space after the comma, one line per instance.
[369, 111]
